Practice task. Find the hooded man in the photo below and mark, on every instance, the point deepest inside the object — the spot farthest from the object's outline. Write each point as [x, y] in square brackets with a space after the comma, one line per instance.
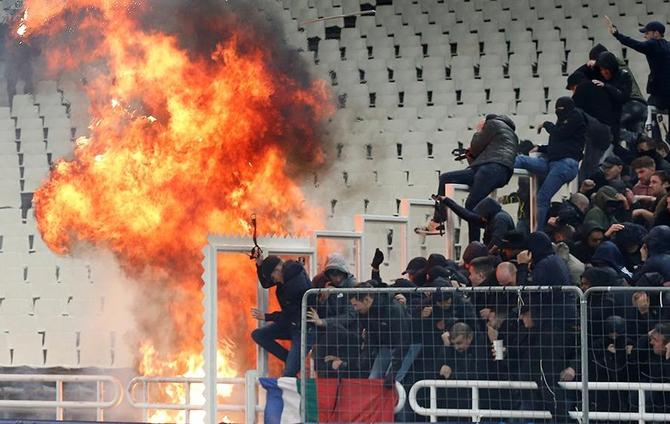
[292, 282]
[629, 241]
[592, 70]
[488, 214]
[560, 163]
[592, 235]
[617, 82]
[608, 208]
[491, 156]
[608, 254]
[555, 314]
[547, 269]
[333, 317]
[609, 354]
[511, 244]
[657, 245]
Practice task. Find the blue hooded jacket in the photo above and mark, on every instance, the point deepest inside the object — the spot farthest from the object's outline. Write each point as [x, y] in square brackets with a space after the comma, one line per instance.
[608, 254]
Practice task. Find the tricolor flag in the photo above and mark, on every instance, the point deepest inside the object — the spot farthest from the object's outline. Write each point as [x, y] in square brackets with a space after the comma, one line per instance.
[328, 400]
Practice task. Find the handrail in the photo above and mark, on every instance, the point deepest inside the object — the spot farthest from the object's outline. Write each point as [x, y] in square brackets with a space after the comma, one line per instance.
[474, 412]
[60, 404]
[641, 415]
[249, 381]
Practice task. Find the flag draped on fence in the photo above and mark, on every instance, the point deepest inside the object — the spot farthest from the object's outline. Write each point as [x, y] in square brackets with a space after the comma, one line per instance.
[328, 400]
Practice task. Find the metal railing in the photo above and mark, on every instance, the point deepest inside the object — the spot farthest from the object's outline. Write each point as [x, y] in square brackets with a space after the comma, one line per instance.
[641, 415]
[60, 404]
[475, 412]
[250, 407]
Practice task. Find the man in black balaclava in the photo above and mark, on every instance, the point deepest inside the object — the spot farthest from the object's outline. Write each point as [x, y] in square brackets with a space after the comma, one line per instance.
[560, 163]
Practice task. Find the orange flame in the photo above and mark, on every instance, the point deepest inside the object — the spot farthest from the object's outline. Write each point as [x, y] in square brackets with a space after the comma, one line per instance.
[183, 142]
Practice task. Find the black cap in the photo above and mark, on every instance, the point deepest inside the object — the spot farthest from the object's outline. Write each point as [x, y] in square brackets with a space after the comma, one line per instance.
[612, 161]
[268, 265]
[653, 26]
[417, 264]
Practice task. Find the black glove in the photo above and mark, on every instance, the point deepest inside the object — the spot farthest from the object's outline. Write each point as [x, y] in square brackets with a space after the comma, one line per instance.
[378, 259]
[548, 126]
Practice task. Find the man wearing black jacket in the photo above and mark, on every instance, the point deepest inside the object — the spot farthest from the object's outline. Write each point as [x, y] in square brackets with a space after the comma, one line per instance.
[562, 155]
[592, 98]
[617, 83]
[491, 164]
[657, 51]
[387, 333]
[292, 282]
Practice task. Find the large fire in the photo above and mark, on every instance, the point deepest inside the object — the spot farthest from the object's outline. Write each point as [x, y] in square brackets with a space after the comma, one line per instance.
[199, 119]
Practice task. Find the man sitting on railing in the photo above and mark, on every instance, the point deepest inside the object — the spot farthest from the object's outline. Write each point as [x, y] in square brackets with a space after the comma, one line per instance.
[560, 162]
[292, 282]
[491, 164]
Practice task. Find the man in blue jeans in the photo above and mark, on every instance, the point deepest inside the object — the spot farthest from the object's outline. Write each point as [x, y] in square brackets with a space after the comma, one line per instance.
[491, 164]
[292, 282]
[559, 163]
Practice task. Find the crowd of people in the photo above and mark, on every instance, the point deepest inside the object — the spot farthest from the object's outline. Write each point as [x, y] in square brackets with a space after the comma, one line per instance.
[613, 232]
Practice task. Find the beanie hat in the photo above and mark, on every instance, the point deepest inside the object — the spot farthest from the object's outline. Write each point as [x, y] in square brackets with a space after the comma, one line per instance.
[268, 265]
[474, 250]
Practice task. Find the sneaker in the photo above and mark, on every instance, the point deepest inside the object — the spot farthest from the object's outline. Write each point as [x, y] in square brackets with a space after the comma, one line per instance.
[432, 228]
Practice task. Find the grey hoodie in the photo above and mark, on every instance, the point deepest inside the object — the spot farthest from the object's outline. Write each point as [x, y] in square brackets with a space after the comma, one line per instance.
[338, 263]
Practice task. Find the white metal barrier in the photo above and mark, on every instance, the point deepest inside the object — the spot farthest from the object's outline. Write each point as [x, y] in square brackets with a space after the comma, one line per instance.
[60, 404]
[641, 416]
[474, 412]
[250, 407]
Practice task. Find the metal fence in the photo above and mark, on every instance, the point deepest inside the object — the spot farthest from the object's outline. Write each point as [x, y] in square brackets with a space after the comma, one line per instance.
[103, 401]
[460, 353]
[513, 354]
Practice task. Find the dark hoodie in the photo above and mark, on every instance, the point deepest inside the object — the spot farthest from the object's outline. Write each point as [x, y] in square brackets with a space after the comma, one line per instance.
[608, 254]
[620, 86]
[495, 143]
[488, 214]
[658, 248]
[594, 72]
[567, 136]
[548, 269]
[608, 361]
[630, 239]
[581, 250]
[498, 222]
[289, 294]
[593, 100]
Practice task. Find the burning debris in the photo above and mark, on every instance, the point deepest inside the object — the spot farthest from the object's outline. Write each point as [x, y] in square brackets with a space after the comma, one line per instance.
[200, 116]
